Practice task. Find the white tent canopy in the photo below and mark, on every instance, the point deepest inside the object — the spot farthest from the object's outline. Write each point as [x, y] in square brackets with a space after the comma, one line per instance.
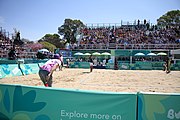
[43, 50]
[78, 53]
[139, 54]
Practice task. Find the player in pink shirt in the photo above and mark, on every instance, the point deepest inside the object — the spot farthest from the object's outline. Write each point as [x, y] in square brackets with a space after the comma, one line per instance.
[46, 71]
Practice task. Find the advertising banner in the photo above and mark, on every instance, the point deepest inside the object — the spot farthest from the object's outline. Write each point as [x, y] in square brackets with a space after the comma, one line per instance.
[79, 65]
[40, 103]
[8, 70]
[29, 68]
[154, 106]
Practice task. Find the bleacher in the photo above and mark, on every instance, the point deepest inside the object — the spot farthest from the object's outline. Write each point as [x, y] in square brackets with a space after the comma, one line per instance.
[6, 44]
[124, 35]
[129, 36]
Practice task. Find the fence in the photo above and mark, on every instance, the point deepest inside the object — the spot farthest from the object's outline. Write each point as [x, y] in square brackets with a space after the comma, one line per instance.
[128, 46]
[40, 103]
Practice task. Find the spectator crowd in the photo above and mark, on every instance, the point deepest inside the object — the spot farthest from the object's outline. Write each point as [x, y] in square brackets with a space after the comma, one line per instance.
[136, 36]
[11, 48]
[140, 34]
[5, 44]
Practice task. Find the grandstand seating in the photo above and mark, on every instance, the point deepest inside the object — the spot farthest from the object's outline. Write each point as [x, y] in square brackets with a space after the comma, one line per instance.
[129, 37]
[6, 44]
[124, 36]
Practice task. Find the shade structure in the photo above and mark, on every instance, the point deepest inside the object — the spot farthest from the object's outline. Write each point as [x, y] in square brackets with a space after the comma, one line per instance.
[96, 53]
[162, 54]
[151, 54]
[86, 54]
[78, 53]
[139, 54]
[105, 53]
[43, 50]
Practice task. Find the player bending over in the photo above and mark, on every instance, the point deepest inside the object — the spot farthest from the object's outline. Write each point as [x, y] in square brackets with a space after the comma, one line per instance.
[46, 71]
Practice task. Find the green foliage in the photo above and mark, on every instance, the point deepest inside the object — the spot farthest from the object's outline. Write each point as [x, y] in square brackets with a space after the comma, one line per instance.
[51, 36]
[53, 39]
[170, 18]
[48, 46]
[69, 29]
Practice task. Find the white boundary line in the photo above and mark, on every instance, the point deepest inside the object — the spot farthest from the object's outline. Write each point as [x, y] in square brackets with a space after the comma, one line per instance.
[84, 80]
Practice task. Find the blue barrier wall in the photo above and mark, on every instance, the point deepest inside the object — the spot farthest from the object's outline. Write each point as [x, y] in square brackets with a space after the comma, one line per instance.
[9, 70]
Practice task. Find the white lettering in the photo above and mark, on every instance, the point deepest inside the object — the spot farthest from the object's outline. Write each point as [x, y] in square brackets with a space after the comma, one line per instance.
[99, 116]
[173, 115]
[73, 114]
[62, 113]
[116, 117]
[177, 115]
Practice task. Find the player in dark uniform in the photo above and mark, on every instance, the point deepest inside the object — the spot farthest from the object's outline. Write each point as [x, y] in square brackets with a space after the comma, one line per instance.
[91, 63]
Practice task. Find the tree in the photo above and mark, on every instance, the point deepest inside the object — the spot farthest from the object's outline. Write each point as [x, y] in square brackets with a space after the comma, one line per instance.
[171, 18]
[48, 46]
[53, 39]
[69, 30]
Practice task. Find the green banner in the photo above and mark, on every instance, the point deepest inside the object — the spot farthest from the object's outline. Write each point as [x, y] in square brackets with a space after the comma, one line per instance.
[122, 52]
[158, 106]
[144, 65]
[40, 103]
[79, 64]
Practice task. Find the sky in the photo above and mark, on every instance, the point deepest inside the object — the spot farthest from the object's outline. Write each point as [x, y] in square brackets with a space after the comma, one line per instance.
[35, 18]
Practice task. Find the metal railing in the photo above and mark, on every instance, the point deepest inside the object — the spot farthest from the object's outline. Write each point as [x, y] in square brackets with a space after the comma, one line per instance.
[119, 24]
[128, 46]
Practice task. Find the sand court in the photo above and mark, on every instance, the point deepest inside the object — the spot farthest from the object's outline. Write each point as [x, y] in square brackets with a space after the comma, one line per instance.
[106, 80]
